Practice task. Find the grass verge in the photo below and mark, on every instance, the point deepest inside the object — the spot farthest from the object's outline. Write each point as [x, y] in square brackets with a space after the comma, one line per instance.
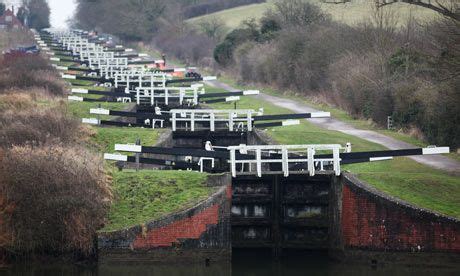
[146, 195]
[413, 182]
[106, 138]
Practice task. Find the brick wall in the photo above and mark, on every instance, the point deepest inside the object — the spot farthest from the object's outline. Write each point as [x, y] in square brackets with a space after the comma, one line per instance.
[188, 228]
[201, 233]
[372, 220]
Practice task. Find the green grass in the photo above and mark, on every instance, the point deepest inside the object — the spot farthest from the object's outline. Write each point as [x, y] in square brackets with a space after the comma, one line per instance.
[235, 16]
[81, 82]
[106, 138]
[418, 184]
[61, 56]
[146, 195]
[64, 63]
[413, 182]
[350, 13]
[81, 109]
[98, 88]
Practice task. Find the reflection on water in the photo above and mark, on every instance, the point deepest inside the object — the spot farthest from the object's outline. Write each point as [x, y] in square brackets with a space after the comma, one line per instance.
[246, 263]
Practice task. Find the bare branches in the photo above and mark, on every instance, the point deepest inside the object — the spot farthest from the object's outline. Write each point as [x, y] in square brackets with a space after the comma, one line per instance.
[451, 12]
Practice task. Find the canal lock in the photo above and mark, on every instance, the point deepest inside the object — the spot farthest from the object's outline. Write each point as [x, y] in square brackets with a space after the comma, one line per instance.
[272, 213]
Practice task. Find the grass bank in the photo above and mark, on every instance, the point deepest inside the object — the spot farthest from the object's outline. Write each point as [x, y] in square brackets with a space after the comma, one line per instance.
[147, 195]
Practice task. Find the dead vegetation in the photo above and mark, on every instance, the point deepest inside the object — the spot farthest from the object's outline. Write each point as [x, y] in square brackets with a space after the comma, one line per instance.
[26, 72]
[54, 193]
[14, 38]
[68, 191]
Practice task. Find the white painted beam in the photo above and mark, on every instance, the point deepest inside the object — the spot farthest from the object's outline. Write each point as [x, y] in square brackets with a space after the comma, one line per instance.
[115, 157]
[70, 77]
[435, 150]
[75, 98]
[321, 114]
[209, 78]
[128, 148]
[251, 92]
[291, 122]
[232, 99]
[99, 111]
[91, 121]
[79, 90]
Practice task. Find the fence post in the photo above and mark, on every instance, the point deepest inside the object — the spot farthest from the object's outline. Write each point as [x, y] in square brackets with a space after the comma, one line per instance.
[99, 116]
[390, 122]
[138, 155]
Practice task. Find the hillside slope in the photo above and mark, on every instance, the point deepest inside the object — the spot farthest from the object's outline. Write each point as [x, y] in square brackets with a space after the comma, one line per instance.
[350, 13]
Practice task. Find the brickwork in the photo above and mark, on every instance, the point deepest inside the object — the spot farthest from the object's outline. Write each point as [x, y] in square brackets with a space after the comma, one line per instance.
[193, 235]
[187, 228]
[373, 221]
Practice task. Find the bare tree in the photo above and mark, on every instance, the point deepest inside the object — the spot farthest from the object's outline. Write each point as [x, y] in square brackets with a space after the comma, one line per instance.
[212, 27]
[132, 20]
[448, 8]
[298, 13]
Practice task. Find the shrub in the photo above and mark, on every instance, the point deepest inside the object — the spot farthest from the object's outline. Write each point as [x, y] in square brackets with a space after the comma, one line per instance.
[69, 192]
[298, 13]
[29, 72]
[37, 126]
[269, 25]
[223, 53]
[213, 27]
[14, 38]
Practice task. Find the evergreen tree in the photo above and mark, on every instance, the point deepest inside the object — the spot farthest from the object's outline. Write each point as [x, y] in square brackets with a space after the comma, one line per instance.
[22, 15]
[2, 9]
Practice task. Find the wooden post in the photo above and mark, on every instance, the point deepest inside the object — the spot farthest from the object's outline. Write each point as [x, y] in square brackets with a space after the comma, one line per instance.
[390, 122]
[138, 155]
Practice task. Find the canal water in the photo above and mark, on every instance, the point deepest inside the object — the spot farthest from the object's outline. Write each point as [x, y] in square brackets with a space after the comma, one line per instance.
[243, 264]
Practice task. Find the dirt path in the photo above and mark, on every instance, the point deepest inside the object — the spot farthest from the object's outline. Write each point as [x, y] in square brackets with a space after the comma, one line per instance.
[435, 161]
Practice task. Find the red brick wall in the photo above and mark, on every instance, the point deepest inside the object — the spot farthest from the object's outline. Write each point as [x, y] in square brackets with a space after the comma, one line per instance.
[375, 223]
[188, 228]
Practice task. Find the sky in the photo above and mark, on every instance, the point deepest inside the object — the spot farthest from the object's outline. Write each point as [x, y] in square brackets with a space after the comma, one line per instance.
[61, 10]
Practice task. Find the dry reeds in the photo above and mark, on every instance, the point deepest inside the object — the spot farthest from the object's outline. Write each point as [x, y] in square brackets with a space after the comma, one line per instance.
[60, 196]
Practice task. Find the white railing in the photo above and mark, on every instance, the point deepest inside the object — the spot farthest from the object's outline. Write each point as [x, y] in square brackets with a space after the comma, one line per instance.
[184, 95]
[140, 77]
[285, 155]
[233, 120]
[96, 62]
